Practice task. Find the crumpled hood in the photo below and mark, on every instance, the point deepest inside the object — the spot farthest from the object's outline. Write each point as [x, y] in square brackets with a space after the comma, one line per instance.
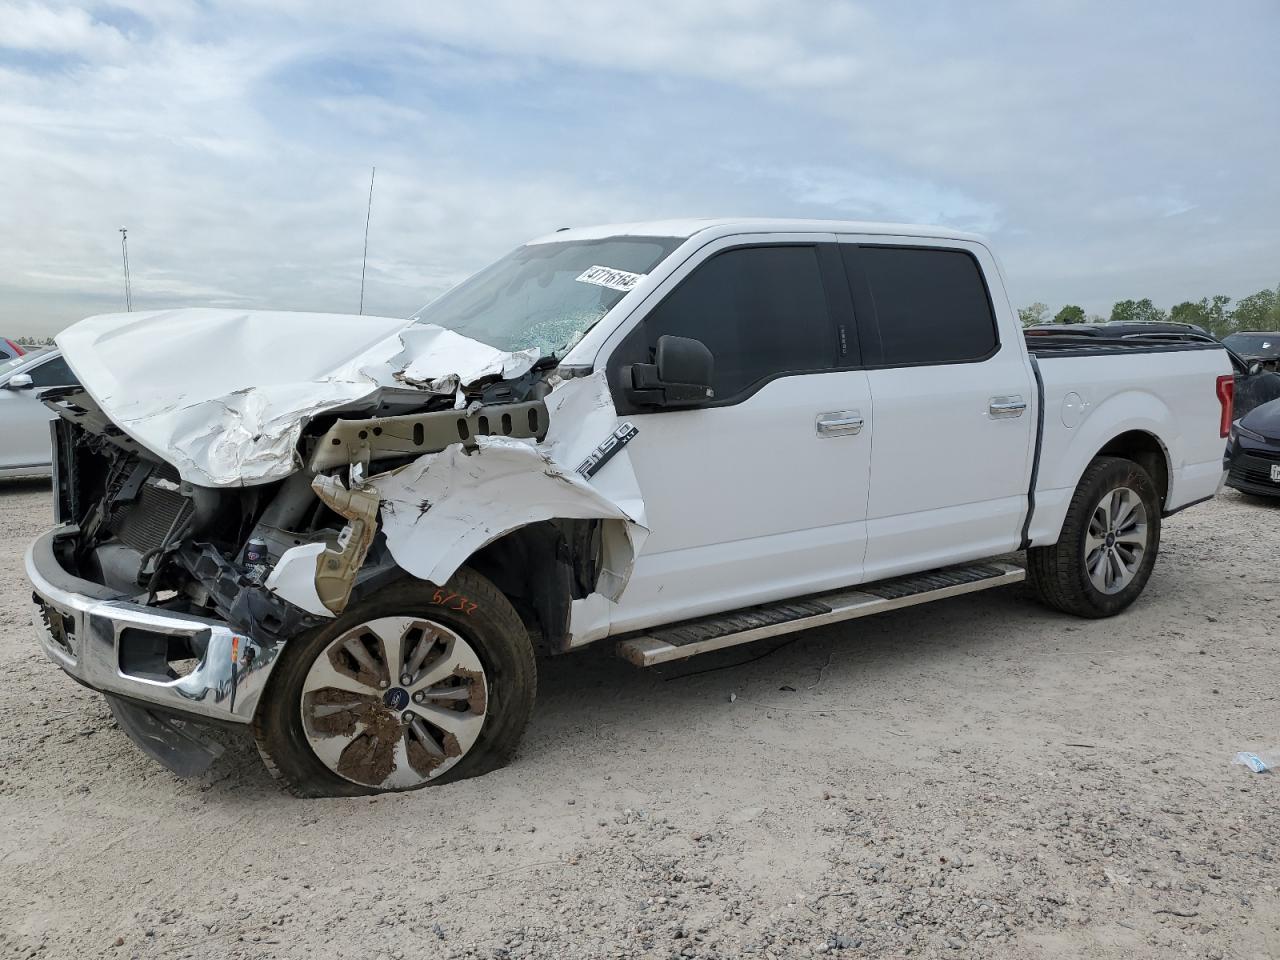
[223, 395]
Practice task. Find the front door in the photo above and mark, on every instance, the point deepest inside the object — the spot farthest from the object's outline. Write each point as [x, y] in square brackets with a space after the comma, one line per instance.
[761, 494]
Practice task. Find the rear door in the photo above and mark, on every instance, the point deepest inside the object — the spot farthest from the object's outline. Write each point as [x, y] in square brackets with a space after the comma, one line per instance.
[761, 493]
[953, 405]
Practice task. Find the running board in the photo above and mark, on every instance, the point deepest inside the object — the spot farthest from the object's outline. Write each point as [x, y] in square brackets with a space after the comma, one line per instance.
[688, 639]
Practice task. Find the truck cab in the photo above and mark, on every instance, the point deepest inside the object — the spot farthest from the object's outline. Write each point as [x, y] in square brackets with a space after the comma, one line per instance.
[872, 414]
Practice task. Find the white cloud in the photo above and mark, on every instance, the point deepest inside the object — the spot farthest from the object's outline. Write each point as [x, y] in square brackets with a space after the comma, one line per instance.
[760, 43]
[1112, 152]
[855, 195]
[34, 27]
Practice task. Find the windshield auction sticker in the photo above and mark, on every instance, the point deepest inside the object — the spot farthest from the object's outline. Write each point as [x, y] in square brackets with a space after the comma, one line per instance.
[609, 277]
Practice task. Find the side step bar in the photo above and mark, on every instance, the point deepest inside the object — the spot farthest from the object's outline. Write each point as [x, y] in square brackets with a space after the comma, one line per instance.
[688, 639]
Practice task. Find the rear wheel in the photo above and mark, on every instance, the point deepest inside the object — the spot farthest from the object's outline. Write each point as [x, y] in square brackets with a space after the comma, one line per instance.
[1108, 545]
[414, 686]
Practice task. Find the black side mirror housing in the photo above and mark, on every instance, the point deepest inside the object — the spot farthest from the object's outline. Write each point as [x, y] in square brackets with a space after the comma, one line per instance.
[680, 375]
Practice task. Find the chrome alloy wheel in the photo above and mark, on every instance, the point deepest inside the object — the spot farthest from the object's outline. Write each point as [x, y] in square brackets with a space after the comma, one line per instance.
[394, 702]
[1116, 540]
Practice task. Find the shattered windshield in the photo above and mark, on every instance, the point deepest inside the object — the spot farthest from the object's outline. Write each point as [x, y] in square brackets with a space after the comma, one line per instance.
[546, 295]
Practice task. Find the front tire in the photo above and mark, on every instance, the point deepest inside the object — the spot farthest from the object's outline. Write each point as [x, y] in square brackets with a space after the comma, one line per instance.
[1108, 545]
[414, 686]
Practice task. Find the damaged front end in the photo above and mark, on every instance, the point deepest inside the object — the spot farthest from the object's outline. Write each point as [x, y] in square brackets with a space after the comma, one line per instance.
[175, 597]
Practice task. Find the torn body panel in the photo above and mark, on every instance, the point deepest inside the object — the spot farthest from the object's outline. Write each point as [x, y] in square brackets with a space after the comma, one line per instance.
[441, 361]
[440, 509]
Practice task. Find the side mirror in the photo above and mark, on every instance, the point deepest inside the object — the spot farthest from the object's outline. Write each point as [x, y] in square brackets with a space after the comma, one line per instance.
[19, 381]
[1255, 368]
[680, 375]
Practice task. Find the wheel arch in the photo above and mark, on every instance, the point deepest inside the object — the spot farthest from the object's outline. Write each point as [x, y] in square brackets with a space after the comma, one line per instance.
[1148, 451]
[542, 567]
[1134, 424]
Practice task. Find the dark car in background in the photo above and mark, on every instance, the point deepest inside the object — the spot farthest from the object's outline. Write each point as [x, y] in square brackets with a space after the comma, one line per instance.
[1256, 345]
[1253, 451]
[1254, 385]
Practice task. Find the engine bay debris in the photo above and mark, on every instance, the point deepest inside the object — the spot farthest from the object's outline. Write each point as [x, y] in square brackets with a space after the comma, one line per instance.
[335, 453]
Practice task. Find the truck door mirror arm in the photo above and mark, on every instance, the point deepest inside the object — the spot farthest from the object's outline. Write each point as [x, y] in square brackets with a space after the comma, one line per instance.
[680, 375]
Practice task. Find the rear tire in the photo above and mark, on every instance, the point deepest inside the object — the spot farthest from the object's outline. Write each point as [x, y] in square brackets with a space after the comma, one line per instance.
[440, 688]
[1108, 545]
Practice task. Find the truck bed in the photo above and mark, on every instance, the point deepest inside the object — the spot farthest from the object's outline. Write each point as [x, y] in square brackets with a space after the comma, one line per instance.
[1171, 396]
[1069, 344]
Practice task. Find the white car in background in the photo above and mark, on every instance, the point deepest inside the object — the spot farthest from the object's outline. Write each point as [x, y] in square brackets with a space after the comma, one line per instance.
[25, 449]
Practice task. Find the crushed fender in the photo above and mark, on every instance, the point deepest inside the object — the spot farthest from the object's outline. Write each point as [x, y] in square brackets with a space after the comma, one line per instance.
[441, 508]
[527, 444]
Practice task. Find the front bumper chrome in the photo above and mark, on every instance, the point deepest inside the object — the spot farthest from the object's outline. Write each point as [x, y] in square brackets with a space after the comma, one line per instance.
[89, 631]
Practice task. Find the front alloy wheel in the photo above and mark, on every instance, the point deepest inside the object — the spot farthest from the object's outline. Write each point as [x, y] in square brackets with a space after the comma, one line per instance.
[394, 702]
[412, 686]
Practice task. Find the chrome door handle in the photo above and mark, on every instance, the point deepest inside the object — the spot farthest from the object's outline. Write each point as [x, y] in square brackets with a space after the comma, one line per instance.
[839, 423]
[1003, 407]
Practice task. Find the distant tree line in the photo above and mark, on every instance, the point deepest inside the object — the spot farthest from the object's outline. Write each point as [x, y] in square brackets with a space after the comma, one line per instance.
[35, 341]
[1258, 311]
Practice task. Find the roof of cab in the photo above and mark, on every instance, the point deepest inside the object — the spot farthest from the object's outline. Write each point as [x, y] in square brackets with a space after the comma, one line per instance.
[727, 226]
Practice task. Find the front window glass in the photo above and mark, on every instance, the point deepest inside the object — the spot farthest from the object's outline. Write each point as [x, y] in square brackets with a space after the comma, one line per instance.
[546, 295]
[761, 311]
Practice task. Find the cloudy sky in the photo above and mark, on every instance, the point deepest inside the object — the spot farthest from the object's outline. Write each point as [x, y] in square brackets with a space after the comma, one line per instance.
[1111, 150]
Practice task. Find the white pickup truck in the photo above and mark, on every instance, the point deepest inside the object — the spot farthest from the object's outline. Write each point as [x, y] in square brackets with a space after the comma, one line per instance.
[353, 535]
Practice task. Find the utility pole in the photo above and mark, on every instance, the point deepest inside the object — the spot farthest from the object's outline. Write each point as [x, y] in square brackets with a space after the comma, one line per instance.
[365, 260]
[124, 254]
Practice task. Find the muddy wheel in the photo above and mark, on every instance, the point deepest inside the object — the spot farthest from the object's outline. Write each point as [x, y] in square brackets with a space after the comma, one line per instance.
[1108, 545]
[414, 686]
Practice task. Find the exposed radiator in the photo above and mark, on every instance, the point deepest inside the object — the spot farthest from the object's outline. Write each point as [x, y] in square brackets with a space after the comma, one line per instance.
[158, 509]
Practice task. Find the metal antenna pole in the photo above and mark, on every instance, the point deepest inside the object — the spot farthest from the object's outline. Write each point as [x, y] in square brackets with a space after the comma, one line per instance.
[124, 254]
[364, 262]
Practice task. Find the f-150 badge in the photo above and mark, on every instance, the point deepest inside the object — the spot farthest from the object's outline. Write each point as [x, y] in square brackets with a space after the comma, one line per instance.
[607, 450]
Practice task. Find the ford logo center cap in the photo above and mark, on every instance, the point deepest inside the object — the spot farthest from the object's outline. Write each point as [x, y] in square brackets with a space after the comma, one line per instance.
[397, 698]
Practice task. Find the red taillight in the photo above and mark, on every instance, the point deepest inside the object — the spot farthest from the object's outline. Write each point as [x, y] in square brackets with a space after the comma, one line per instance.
[17, 350]
[1226, 397]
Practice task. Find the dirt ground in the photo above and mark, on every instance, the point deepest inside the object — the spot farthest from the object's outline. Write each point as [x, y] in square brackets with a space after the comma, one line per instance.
[979, 777]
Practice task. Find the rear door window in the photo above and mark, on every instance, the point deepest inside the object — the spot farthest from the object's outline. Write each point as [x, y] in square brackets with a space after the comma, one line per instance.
[931, 306]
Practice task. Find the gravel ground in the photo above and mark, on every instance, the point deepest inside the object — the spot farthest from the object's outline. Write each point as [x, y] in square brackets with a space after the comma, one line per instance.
[979, 777]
